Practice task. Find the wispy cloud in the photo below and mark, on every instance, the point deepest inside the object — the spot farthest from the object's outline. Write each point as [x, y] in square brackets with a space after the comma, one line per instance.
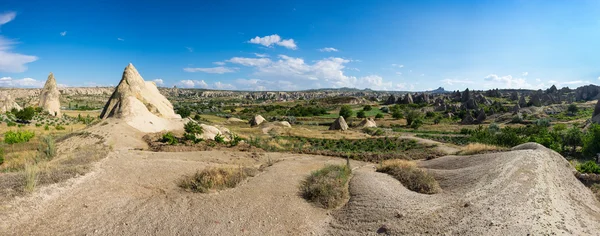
[7, 17]
[64, 33]
[10, 61]
[120, 39]
[270, 40]
[457, 81]
[204, 85]
[212, 70]
[261, 54]
[189, 49]
[328, 50]
[219, 63]
[397, 65]
[525, 73]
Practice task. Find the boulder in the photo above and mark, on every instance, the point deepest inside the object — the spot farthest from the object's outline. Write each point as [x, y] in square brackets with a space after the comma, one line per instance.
[256, 120]
[367, 123]
[339, 124]
[234, 120]
[467, 120]
[140, 104]
[209, 132]
[481, 116]
[50, 97]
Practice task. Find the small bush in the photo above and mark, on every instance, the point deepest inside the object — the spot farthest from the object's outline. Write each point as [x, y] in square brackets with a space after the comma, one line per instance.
[588, 167]
[11, 124]
[216, 179]
[361, 114]
[346, 111]
[235, 140]
[169, 138]
[46, 127]
[397, 114]
[47, 148]
[412, 116]
[410, 176]
[59, 127]
[379, 116]
[416, 124]
[367, 108]
[219, 138]
[327, 187]
[21, 136]
[384, 109]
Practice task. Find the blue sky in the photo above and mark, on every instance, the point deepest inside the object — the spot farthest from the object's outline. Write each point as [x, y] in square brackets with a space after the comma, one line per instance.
[294, 45]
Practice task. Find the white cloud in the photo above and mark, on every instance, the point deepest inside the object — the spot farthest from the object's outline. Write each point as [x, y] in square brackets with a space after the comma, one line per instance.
[250, 61]
[261, 54]
[189, 49]
[456, 81]
[212, 70]
[158, 81]
[328, 50]
[10, 61]
[270, 40]
[7, 17]
[328, 72]
[63, 33]
[598, 78]
[219, 85]
[193, 84]
[538, 80]
[422, 74]
[399, 66]
[219, 63]
[120, 39]
[399, 73]
[25, 82]
[509, 82]
[525, 73]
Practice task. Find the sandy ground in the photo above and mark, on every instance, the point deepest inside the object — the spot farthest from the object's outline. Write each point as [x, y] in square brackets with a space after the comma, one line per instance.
[513, 193]
[136, 193]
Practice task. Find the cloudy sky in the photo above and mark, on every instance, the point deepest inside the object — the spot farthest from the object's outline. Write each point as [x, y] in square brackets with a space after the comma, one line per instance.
[295, 45]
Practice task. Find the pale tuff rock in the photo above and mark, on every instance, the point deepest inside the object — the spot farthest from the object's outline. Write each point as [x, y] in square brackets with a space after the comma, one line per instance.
[7, 104]
[140, 104]
[367, 123]
[257, 120]
[50, 97]
[339, 124]
[210, 132]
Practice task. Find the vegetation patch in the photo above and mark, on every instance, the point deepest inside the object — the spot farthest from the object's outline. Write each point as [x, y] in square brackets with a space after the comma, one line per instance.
[477, 148]
[213, 178]
[410, 176]
[327, 187]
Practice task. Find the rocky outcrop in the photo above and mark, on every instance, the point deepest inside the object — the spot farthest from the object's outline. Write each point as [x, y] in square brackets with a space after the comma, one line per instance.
[256, 120]
[50, 97]
[140, 104]
[209, 132]
[367, 123]
[339, 124]
[522, 102]
[516, 109]
[467, 120]
[407, 99]
[391, 100]
[587, 93]
[7, 104]
[481, 116]
[596, 114]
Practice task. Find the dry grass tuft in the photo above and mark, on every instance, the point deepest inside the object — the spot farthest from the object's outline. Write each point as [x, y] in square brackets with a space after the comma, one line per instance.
[477, 148]
[410, 176]
[213, 178]
[327, 187]
[31, 177]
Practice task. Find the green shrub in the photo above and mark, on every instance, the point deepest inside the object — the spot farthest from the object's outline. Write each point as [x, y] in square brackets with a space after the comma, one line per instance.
[59, 127]
[572, 109]
[591, 141]
[346, 111]
[20, 136]
[47, 147]
[219, 138]
[11, 124]
[384, 109]
[235, 140]
[397, 114]
[46, 127]
[360, 114]
[327, 187]
[25, 114]
[544, 122]
[367, 108]
[378, 116]
[416, 124]
[169, 138]
[1, 156]
[588, 167]
[412, 116]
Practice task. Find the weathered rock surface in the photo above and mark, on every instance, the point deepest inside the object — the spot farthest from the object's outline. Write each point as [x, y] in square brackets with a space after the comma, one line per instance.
[256, 120]
[339, 124]
[50, 97]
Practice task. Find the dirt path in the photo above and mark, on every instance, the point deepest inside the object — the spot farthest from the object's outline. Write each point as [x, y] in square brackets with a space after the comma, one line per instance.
[135, 193]
[514, 193]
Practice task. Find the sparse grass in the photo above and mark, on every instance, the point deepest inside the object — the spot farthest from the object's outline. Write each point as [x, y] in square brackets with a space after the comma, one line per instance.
[410, 176]
[31, 173]
[213, 178]
[327, 187]
[477, 148]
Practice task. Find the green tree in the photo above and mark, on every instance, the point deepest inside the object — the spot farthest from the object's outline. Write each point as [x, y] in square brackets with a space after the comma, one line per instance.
[591, 141]
[361, 114]
[379, 116]
[573, 138]
[397, 114]
[184, 112]
[346, 111]
[412, 116]
[367, 108]
[572, 109]
[26, 114]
